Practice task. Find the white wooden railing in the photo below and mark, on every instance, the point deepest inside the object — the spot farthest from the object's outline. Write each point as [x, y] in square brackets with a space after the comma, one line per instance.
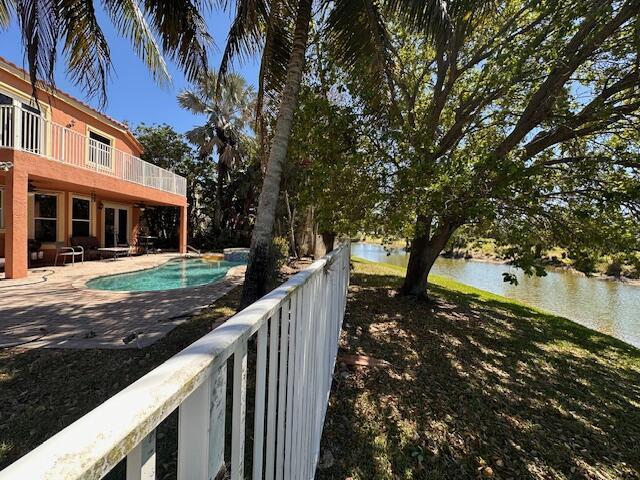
[294, 332]
[21, 129]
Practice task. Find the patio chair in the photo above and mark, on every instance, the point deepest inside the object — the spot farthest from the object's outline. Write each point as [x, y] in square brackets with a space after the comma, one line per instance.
[90, 245]
[66, 252]
[119, 244]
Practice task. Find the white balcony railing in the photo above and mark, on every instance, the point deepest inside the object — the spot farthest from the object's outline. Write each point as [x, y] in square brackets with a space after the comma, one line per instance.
[21, 129]
[292, 334]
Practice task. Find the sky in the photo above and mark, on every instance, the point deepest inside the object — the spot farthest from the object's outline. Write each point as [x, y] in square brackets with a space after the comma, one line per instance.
[132, 94]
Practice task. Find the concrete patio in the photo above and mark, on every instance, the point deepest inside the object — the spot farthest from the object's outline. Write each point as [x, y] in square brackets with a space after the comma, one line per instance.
[51, 308]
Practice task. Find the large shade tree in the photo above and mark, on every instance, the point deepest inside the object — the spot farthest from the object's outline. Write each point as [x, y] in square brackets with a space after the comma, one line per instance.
[525, 116]
[280, 29]
[225, 131]
[155, 28]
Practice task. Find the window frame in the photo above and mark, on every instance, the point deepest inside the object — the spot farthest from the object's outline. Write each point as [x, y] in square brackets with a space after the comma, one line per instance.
[112, 142]
[56, 219]
[73, 219]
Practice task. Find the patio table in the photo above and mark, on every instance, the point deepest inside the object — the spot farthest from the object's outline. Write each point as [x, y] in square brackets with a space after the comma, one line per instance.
[146, 241]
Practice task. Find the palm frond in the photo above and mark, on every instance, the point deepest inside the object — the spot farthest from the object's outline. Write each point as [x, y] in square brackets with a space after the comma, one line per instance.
[6, 9]
[432, 17]
[130, 22]
[182, 33]
[358, 37]
[85, 47]
[275, 58]
[39, 27]
[202, 137]
[245, 34]
[192, 101]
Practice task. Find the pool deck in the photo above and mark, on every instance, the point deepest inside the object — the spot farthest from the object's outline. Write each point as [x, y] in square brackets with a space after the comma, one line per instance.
[51, 308]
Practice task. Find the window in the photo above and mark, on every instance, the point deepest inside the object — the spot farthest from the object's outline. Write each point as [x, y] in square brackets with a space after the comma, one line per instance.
[99, 150]
[46, 217]
[80, 217]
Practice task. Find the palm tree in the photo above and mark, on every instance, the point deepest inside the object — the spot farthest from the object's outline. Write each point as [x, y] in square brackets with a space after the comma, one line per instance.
[228, 114]
[173, 27]
[358, 36]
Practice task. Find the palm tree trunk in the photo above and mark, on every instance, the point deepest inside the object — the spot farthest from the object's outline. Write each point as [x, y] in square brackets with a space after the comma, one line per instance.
[222, 173]
[256, 278]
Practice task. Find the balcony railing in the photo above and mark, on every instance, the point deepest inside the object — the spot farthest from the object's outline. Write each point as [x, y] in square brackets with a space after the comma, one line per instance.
[292, 334]
[21, 129]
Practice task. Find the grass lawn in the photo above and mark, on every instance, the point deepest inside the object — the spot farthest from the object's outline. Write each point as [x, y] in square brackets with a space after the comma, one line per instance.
[480, 386]
[44, 390]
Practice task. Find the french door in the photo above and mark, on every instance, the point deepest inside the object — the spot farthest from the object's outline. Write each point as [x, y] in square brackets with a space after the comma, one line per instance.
[116, 226]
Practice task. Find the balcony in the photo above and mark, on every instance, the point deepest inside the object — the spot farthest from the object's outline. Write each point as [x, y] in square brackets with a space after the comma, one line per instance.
[21, 129]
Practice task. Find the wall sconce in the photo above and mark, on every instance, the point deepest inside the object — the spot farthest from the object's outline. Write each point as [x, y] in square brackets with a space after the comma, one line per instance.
[100, 206]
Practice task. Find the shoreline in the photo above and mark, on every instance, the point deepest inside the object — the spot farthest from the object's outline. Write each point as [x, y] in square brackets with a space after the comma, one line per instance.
[633, 282]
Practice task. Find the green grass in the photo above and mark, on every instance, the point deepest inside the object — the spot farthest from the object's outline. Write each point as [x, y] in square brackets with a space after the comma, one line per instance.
[481, 386]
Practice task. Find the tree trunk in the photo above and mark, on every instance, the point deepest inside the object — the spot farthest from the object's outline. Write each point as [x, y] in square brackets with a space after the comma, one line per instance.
[324, 244]
[292, 225]
[425, 249]
[217, 216]
[256, 278]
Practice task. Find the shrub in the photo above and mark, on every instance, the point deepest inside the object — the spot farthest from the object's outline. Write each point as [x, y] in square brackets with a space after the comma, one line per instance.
[278, 257]
[614, 268]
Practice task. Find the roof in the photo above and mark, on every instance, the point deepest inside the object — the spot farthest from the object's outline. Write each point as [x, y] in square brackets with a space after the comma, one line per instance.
[81, 105]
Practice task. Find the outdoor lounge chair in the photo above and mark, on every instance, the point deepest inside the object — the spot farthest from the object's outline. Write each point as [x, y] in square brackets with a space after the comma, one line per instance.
[119, 250]
[66, 252]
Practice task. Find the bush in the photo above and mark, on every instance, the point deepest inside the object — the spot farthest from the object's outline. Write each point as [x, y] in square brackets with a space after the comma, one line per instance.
[585, 262]
[278, 257]
[614, 269]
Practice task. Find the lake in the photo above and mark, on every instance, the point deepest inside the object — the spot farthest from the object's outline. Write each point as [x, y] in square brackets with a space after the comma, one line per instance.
[608, 307]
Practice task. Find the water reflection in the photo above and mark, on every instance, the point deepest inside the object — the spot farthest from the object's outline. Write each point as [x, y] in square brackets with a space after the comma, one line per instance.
[609, 307]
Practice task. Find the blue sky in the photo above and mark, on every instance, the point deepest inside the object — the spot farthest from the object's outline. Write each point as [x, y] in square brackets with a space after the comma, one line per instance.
[132, 94]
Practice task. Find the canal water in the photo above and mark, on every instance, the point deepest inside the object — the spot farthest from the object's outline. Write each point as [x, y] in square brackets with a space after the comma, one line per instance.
[608, 307]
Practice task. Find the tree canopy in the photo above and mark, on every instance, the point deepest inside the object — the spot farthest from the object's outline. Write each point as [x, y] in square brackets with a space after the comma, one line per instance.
[523, 119]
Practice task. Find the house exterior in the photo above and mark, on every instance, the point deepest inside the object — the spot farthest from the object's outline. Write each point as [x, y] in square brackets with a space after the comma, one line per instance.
[74, 172]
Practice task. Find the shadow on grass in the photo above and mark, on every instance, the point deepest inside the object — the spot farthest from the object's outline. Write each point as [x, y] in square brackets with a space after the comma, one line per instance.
[479, 387]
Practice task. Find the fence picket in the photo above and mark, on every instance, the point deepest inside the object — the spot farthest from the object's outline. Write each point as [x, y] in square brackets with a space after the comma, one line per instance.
[141, 461]
[217, 407]
[193, 434]
[258, 425]
[239, 411]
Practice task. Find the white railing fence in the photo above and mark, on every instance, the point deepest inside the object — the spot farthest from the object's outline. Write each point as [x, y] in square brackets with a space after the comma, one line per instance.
[294, 332]
[21, 129]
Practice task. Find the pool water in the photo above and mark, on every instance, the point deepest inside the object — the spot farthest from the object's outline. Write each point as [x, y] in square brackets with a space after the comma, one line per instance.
[179, 273]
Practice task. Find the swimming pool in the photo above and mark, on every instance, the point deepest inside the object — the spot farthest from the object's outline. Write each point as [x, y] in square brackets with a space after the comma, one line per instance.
[179, 273]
